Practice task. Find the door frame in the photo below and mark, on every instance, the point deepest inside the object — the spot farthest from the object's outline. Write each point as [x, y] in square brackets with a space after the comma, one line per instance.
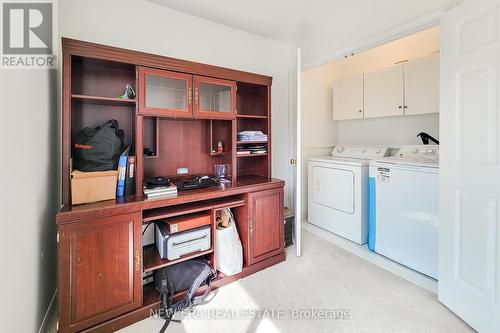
[407, 28]
[404, 29]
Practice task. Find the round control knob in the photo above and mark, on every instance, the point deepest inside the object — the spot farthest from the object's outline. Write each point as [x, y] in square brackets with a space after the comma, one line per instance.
[363, 151]
[378, 151]
[430, 152]
[415, 151]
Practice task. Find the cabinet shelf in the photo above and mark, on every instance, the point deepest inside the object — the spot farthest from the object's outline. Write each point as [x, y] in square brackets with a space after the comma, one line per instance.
[251, 155]
[152, 259]
[250, 142]
[215, 153]
[188, 208]
[102, 100]
[249, 116]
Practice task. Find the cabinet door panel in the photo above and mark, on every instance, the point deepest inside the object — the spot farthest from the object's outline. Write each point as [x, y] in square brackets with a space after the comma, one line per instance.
[384, 92]
[100, 272]
[422, 85]
[266, 224]
[214, 98]
[348, 98]
[165, 93]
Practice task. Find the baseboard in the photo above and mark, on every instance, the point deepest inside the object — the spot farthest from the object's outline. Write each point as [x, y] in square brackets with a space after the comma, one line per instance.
[381, 261]
[43, 325]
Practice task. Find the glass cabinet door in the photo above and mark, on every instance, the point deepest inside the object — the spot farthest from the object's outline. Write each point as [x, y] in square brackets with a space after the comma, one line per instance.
[166, 93]
[214, 98]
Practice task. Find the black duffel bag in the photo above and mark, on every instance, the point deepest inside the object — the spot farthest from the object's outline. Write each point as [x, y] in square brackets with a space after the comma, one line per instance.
[98, 149]
[188, 275]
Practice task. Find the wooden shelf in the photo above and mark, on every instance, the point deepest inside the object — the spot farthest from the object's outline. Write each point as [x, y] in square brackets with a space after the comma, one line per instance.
[250, 116]
[214, 153]
[251, 155]
[102, 100]
[188, 208]
[250, 142]
[152, 259]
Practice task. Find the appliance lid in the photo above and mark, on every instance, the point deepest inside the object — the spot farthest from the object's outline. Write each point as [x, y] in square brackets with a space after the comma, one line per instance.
[414, 155]
[360, 152]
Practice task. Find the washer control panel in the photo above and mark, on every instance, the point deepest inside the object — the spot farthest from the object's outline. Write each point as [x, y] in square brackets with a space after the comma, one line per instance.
[419, 153]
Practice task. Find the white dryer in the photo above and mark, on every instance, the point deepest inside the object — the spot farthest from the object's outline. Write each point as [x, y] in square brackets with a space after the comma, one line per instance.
[338, 190]
[404, 204]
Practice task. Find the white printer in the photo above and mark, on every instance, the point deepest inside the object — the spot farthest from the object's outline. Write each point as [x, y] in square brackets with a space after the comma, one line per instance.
[172, 246]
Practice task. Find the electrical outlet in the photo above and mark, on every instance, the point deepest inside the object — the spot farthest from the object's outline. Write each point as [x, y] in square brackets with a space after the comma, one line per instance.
[182, 171]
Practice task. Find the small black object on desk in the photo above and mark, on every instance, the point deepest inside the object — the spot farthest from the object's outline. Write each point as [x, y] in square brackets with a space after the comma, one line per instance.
[196, 183]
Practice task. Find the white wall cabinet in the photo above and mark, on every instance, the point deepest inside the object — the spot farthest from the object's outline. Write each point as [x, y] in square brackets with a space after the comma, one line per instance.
[421, 85]
[409, 88]
[384, 92]
[348, 98]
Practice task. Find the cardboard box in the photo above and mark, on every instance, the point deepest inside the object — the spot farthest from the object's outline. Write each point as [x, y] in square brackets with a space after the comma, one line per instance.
[93, 186]
[187, 222]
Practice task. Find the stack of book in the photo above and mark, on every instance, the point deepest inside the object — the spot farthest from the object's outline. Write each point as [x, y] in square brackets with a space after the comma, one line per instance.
[252, 136]
[169, 190]
[251, 149]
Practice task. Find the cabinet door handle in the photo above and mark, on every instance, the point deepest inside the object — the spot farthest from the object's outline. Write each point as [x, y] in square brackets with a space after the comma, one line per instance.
[190, 93]
[251, 228]
[137, 260]
[195, 95]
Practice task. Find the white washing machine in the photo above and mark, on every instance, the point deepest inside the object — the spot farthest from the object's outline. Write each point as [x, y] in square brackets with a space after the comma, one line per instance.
[404, 207]
[338, 191]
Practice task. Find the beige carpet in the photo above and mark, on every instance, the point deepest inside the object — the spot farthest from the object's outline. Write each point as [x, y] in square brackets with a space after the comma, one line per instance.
[325, 277]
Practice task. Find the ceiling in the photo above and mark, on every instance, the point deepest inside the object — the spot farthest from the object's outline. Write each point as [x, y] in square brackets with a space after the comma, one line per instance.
[291, 21]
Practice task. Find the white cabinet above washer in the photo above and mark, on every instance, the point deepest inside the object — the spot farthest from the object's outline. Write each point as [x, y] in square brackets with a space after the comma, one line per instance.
[384, 92]
[422, 85]
[348, 98]
[408, 88]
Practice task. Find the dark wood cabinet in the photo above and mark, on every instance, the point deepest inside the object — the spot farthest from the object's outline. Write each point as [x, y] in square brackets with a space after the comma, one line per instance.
[265, 225]
[165, 93]
[182, 112]
[100, 270]
[214, 98]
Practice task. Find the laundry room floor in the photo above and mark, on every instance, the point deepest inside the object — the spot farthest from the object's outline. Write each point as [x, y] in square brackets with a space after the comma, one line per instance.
[325, 277]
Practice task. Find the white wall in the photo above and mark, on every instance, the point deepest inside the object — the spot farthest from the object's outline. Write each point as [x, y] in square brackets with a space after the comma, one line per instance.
[320, 132]
[28, 201]
[145, 26]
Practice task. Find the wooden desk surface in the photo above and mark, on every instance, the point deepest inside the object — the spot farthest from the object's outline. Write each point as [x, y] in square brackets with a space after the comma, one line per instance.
[69, 213]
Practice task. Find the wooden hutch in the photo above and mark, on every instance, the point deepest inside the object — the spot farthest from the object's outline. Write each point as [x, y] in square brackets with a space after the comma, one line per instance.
[177, 115]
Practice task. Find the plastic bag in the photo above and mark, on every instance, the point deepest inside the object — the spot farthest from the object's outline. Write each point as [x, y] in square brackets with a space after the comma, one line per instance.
[229, 253]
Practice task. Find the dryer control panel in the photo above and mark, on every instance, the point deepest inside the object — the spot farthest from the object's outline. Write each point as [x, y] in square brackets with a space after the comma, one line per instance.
[360, 152]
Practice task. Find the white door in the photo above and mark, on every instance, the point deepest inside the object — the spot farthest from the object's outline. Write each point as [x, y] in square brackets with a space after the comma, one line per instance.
[384, 92]
[298, 158]
[469, 233]
[333, 188]
[348, 98]
[421, 87]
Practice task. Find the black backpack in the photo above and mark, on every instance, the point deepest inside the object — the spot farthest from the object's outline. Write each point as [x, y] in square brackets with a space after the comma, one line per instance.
[98, 149]
[188, 275]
